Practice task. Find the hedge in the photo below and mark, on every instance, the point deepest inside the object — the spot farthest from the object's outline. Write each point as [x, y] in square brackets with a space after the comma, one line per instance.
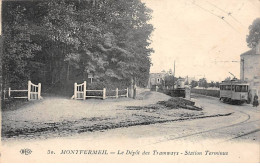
[207, 92]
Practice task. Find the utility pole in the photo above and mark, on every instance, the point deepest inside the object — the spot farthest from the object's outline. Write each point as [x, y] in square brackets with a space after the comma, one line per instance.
[174, 69]
[243, 69]
[173, 74]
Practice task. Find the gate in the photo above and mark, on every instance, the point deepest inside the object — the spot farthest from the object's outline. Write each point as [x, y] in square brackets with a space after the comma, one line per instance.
[33, 92]
[80, 91]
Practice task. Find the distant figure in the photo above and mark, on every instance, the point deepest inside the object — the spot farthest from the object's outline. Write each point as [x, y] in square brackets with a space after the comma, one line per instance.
[249, 97]
[255, 102]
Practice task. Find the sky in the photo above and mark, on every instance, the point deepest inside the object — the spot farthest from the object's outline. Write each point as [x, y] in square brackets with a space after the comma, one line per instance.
[194, 35]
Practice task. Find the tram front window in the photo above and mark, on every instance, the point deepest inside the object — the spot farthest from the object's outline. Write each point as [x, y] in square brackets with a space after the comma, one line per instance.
[233, 88]
[241, 88]
[228, 87]
[238, 88]
[244, 88]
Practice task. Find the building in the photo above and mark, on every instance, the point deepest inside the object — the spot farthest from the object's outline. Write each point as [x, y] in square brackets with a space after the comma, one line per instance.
[156, 79]
[189, 79]
[250, 69]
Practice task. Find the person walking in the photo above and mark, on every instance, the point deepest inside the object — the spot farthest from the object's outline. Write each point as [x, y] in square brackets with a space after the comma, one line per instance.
[255, 102]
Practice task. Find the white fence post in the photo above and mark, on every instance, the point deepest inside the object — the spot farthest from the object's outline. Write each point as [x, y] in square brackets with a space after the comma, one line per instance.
[75, 91]
[29, 90]
[104, 93]
[127, 92]
[39, 90]
[84, 90]
[9, 92]
[116, 92]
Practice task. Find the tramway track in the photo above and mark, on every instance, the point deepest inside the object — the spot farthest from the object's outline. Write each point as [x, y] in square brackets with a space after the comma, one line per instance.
[245, 121]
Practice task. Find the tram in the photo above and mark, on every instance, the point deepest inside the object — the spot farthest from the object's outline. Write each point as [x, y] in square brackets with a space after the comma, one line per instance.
[234, 91]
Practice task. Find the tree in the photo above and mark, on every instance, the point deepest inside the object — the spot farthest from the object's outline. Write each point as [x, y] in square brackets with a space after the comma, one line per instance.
[70, 39]
[194, 83]
[1, 75]
[169, 80]
[203, 83]
[217, 84]
[110, 37]
[18, 46]
[254, 34]
[212, 84]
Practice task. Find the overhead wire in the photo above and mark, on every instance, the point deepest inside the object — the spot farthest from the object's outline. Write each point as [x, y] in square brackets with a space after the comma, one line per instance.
[221, 17]
[228, 13]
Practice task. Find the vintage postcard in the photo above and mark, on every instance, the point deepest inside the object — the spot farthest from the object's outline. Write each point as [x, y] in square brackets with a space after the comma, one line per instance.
[130, 81]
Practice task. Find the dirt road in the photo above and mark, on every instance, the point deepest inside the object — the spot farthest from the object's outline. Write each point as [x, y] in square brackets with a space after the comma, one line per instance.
[236, 133]
[243, 125]
[54, 117]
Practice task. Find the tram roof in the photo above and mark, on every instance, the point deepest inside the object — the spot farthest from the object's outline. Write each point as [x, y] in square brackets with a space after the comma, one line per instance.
[234, 83]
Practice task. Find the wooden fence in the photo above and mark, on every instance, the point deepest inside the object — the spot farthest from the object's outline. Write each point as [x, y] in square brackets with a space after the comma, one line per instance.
[82, 93]
[33, 92]
[118, 93]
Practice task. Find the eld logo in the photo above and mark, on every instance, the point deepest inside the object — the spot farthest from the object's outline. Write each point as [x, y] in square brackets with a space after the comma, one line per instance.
[26, 151]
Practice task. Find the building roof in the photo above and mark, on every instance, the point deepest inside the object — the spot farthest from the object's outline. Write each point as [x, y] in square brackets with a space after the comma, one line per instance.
[250, 52]
[253, 51]
[157, 75]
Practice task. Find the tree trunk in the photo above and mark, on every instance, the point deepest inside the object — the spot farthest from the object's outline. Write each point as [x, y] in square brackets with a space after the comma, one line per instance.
[68, 71]
[134, 88]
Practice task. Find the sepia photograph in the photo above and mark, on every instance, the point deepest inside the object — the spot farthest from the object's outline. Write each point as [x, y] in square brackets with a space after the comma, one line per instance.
[130, 81]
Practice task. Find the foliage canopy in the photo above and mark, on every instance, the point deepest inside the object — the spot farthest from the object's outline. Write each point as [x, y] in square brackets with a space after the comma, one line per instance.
[254, 34]
[63, 41]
